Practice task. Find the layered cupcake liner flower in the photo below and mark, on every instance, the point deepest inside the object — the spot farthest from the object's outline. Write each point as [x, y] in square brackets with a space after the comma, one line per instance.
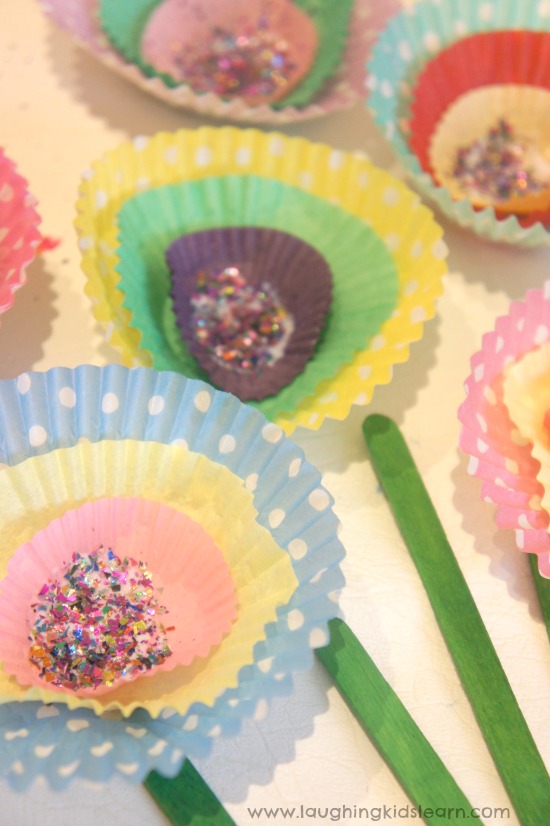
[314, 37]
[19, 231]
[263, 180]
[431, 67]
[502, 453]
[60, 420]
[482, 83]
[340, 90]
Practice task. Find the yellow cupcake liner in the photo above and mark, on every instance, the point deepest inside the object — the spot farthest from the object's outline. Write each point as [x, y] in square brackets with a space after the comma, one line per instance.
[348, 180]
[525, 108]
[526, 394]
[43, 488]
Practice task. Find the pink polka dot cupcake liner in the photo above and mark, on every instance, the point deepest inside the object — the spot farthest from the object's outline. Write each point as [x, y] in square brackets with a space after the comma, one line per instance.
[19, 231]
[501, 452]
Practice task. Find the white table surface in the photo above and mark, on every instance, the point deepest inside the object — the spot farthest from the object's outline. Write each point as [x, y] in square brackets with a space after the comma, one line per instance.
[59, 111]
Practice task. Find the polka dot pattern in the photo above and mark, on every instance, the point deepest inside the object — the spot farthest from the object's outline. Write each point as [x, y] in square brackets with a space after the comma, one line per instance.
[19, 231]
[413, 37]
[382, 203]
[164, 407]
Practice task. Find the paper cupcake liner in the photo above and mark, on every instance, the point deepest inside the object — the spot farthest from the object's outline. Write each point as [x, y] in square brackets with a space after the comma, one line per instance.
[66, 407]
[389, 208]
[413, 38]
[140, 30]
[191, 581]
[364, 280]
[294, 273]
[500, 455]
[526, 110]
[261, 572]
[341, 91]
[527, 397]
[19, 233]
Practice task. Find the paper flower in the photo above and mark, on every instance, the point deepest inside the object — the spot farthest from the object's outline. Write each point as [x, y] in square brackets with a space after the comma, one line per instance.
[423, 64]
[269, 181]
[339, 91]
[72, 421]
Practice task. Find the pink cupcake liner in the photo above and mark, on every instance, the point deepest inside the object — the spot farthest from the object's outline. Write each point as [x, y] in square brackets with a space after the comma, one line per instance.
[189, 574]
[19, 234]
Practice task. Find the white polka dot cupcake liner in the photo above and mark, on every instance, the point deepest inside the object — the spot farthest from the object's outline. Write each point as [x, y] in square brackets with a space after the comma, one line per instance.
[403, 52]
[204, 178]
[79, 18]
[503, 453]
[91, 408]
[19, 231]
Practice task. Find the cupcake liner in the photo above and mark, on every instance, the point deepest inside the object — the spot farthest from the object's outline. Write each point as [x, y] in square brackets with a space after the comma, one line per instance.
[417, 36]
[261, 572]
[142, 32]
[190, 578]
[526, 111]
[363, 294]
[63, 408]
[79, 18]
[19, 233]
[500, 455]
[527, 397]
[351, 182]
[295, 272]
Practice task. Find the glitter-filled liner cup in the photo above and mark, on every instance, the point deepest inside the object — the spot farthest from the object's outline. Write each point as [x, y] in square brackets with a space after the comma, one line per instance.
[87, 406]
[390, 210]
[181, 583]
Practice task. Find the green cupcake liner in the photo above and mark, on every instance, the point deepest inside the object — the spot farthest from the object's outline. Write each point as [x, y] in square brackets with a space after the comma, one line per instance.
[365, 281]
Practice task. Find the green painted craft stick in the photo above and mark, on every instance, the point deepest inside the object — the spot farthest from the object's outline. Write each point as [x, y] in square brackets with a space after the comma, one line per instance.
[542, 587]
[391, 729]
[186, 799]
[496, 709]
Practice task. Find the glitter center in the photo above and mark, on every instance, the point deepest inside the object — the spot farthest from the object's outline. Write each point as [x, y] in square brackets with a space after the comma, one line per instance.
[253, 63]
[242, 326]
[97, 624]
[500, 166]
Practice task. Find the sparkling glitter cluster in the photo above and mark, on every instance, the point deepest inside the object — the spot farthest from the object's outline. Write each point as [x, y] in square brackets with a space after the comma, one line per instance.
[97, 623]
[253, 63]
[242, 326]
[499, 166]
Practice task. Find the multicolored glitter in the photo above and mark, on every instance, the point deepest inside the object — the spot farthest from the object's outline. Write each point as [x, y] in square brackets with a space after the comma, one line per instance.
[500, 166]
[242, 326]
[254, 63]
[98, 623]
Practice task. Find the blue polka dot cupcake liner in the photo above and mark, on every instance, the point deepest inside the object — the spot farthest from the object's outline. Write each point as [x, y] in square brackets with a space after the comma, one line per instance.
[63, 408]
[403, 50]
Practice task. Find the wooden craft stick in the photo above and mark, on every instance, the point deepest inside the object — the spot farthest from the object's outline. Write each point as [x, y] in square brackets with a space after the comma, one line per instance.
[499, 717]
[186, 799]
[391, 729]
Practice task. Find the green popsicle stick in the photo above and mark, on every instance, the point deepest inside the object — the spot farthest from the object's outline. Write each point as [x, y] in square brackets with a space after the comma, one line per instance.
[542, 587]
[496, 709]
[391, 729]
[186, 799]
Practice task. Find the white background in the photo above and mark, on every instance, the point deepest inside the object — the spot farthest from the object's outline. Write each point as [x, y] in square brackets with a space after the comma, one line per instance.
[60, 110]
